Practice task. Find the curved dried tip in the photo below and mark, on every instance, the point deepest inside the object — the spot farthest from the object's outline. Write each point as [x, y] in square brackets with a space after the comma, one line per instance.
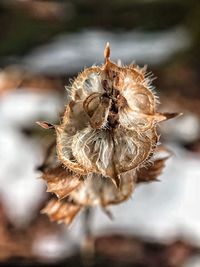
[116, 181]
[45, 125]
[107, 52]
[144, 69]
[167, 116]
[108, 213]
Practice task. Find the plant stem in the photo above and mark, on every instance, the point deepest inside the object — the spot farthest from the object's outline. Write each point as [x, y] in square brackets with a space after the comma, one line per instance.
[88, 245]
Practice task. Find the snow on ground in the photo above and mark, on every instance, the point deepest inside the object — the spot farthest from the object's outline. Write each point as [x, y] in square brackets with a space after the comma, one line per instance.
[162, 210]
[20, 155]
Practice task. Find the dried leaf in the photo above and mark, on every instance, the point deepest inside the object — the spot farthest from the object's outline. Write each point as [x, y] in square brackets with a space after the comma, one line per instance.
[61, 211]
[61, 181]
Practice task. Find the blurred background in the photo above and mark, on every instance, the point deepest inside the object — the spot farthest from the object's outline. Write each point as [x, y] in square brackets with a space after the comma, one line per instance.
[45, 43]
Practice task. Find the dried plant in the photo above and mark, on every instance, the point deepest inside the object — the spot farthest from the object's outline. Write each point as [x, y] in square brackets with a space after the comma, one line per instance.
[107, 141]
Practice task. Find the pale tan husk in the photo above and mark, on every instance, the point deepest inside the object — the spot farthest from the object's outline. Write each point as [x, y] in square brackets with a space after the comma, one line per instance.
[106, 140]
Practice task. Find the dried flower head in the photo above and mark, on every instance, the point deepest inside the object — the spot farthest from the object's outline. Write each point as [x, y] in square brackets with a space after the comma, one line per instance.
[107, 140]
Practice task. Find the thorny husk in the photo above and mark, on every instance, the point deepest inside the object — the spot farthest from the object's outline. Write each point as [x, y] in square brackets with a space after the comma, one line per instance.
[107, 141]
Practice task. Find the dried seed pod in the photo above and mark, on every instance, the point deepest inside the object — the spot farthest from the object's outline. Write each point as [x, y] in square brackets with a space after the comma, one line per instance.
[89, 189]
[109, 126]
[105, 141]
[93, 189]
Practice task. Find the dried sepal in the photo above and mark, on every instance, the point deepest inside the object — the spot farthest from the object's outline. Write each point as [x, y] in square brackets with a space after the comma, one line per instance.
[159, 117]
[64, 152]
[97, 107]
[86, 83]
[107, 51]
[99, 190]
[151, 172]
[61, 181]
[45, 124]
[61, 211]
